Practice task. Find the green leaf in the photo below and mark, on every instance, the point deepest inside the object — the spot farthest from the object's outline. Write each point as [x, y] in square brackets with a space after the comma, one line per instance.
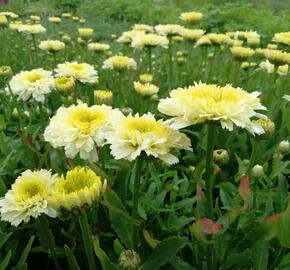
[283, 225]
[25, 252]
[104, 260]
[260, 255]
[6, 260]
[238, 260]
[72, 262]
[164, 253]
[284, 263]
[179, 264]
[118, 247]
[4, 237]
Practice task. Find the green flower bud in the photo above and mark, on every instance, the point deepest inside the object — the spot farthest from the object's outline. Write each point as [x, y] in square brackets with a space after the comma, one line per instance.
[129, 260]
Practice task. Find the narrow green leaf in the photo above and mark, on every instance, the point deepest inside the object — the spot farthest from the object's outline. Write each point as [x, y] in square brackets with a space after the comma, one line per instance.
[284, 263]
[283, 225]
[25, 252]
[238, 260]
[163, 253]
[118, 247]
[6, 260]
[72, 262]
[260, 255]
[4, 237]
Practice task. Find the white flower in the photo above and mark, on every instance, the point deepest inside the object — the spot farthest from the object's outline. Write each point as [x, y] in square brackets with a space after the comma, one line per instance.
[31, 29]
[28, 197]
[149, 40]
[132, 135]
[82, 72]
[35, 83]
[266, 65]
[79, 129]
[119, 63]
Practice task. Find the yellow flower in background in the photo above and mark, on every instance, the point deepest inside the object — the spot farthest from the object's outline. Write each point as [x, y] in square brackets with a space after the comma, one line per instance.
[132, 135]
[28, 197]
[31, 29]
[203, 41]
[253, 41]
[208, 102]
[283, 38]
[75, 18]
[276, 57]
[15, 26]
[79, 129]
[192, 34]
[146, 78]
[246, 65]
[283, 70]
[272, 46]
[242, 53]
[51, 45]
[9, 14]
[3, 21]
[234, 42]
[35, 83]
[119, 63]
[35, 18]
[127, 36]
[54, 19]
[82, 72]
[266, 65]
[103, 97]
[81, 187]
[86, 33]
[217, 39]
[98, 47]
[147, 89]
[149, 40]
[66, 39]
[83, 21]
[191, 17]
[64, 84]
[143, 27]
[66, 15]
[169, 29]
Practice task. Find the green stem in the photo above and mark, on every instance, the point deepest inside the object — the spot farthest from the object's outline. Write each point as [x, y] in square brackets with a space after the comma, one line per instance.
[170, 61]
[47, 238]
[149, 59]
[87, 239]
[253, 156]
[136, 177]
[209, 178]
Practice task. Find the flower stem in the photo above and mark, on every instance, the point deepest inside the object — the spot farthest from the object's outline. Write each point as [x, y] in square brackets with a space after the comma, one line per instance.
[209, 185]
[136, 177]
[87, 239]
[149, 52]
[170, 61]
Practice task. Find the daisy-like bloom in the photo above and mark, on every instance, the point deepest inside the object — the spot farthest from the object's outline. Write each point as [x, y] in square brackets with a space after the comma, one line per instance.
[266, 65]
[31, 29]
[86, 33]
[75, 18]
[28, 197]
[146, 89]
[79, 129]
[127, 36]
[35, 18]
[35, 83]
[234, 42]
[51, 46]
[5, 72]
[15, 26]
[191, 17]
[276, 57]
[132, 135]
[9, 14]
[3, 21]
[169, 29]
[149, 40]
[64, 84]
[98, 47]
[272, 46]
[82, 72]
[242, 53]
[81, 187]
[192, 34]
[82, 21]
[54, 19]
[103, 97]
[146, 78]
[246, 65]
[66, 15]
[143, 27]
[208, 102]
[283, 70]
[283, 38]
[119, 62]
[217, 39]
[203, 41]
[253, 41]
[267, 124]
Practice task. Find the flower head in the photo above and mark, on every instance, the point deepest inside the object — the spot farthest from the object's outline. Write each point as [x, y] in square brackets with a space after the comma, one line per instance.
[192, 34]
[80, 187]
[79, 129]
[82, 72]
[169, 29]
[54, 19]
[103, 97]
[149, 40]
[242, 53]
[98, 47]
[64, 84]
[146, 89]
[86, 33]
[132, 135]
[191, 17]
[208, 102]
[119, 63]
[146, 78]
[35, 83]
[143, 27]
[51, 45]
[127, 36]
[28, 197]
[31, 29]
[283, 38]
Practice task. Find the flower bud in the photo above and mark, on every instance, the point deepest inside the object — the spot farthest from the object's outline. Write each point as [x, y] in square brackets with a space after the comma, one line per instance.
[221, 156]
[257, 171]
[127, 110]
[64, 84]
[5, 73]
[283, 147]
[103, 97]
[129, 260]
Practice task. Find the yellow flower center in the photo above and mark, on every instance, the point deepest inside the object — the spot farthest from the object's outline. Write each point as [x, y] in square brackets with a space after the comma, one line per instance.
[34, 77]
[30, 188]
